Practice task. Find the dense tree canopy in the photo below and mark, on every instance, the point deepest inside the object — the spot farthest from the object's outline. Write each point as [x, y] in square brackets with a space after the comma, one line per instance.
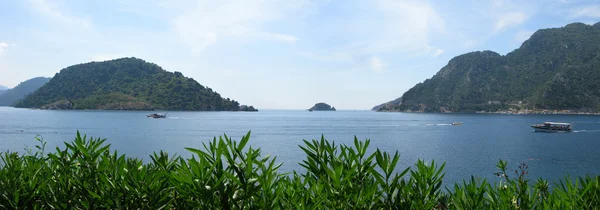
[556, 68]
[127, 83]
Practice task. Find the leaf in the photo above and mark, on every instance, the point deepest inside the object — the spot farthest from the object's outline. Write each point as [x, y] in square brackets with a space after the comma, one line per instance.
[244, 141]
[197, 152]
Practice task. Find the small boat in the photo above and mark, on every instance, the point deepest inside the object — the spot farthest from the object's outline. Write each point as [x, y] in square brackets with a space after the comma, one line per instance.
[457, 123]
[553, 127]
[157, 115]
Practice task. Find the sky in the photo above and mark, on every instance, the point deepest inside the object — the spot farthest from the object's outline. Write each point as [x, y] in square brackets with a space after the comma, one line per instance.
[275, 54]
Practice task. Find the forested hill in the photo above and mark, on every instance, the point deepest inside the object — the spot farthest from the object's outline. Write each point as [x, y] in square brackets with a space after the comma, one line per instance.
[556, 68]
[128, 84]
[10, 96]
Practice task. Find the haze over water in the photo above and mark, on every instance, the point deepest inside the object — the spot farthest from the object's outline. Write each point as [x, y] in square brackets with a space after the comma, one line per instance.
[472, 148]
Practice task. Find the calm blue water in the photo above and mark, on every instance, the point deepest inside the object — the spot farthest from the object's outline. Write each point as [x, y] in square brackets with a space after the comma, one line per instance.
[470, 149]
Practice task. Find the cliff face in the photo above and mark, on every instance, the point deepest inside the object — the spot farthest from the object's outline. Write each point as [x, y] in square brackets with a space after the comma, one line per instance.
[59, 105]
[555, 69]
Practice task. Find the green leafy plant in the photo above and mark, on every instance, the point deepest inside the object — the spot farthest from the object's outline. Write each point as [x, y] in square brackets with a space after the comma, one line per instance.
[227, 174]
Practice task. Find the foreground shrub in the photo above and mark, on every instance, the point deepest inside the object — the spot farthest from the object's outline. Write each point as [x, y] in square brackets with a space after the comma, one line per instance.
[225, 174]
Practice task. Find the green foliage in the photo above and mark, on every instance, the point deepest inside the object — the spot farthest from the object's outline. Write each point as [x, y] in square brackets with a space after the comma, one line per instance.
[127, 83]
[226, 174]
[10, 96]
[555, 69]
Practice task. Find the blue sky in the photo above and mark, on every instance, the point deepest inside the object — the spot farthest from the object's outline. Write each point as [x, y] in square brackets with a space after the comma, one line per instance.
[275, 54]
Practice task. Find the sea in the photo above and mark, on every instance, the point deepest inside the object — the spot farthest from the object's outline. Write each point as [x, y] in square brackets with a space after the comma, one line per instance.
[470, 149]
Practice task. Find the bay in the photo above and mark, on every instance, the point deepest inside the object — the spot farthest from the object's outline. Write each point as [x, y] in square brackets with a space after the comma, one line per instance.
[472, 148]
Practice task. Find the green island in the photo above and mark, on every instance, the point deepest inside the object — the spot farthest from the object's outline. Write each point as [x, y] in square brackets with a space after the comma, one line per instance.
[322, 107]
[226, 174]
[554, 71]
[126, 84]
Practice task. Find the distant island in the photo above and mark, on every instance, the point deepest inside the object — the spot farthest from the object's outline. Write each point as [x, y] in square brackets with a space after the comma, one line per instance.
[126, 84]
[322, 107]
[554, 71]
[9, 96]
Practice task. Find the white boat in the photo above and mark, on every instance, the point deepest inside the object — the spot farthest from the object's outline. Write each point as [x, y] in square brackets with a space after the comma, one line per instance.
[553, 127]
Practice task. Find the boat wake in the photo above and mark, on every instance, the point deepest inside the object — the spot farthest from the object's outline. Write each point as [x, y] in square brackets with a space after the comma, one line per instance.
[585, 131]
[437, 124]
[182, 118]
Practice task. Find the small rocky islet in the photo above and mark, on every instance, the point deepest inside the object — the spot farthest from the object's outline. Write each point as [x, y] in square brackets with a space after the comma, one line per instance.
[322, 107]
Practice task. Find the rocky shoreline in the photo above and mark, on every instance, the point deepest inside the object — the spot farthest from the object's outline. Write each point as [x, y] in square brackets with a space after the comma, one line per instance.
[512, 112]
[128, 105]
[540, 112]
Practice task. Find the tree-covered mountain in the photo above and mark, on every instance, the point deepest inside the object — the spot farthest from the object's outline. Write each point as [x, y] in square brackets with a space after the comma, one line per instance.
[3, 89]
[10, 96]
[556, 68]
[394, 102]
[126, 84]
[322, 107]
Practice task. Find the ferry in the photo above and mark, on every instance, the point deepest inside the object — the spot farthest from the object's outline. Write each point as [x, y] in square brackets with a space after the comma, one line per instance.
[553, 127]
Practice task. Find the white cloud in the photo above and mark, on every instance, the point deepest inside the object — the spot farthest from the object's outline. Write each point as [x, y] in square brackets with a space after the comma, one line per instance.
[55, 13]
[523, 35]
[376, 64]
[389, 26]
[408, 27]
[508, 20]
[589, 12]
[208, 21]
[507, 14]
[3, 47]
[438, 52]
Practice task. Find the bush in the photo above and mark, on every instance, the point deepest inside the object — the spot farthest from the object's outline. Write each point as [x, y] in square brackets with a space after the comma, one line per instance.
[225, 174]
